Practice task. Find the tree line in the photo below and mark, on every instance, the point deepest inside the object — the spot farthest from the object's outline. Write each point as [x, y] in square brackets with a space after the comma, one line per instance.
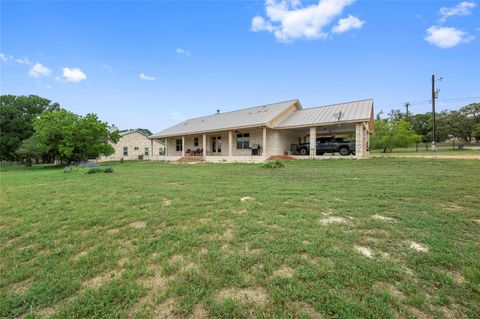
[401, 130]
[34, 128]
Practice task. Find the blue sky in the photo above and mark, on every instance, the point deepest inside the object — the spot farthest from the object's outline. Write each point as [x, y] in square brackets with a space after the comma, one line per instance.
[151, 64]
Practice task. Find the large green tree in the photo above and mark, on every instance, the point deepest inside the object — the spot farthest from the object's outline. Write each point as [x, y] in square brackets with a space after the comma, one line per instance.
[73, 138]
[16, 121]
[389, 134]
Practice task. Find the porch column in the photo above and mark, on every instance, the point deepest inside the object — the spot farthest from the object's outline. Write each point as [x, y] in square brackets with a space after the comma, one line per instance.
[230, 143]
[359, 149]
[204, 144]
[313, 142]
[166, 146]
[151, 149]
[264, 151]
[183, 146]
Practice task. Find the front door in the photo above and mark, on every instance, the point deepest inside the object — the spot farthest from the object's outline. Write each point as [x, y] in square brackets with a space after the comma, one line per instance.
[216, 144]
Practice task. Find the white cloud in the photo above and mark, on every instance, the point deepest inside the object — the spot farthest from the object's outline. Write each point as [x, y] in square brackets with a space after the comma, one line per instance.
[145, 77]
[39, 70]
[347, 24]
[447, 37]
[25, 60]
[5, 58]
[287, 20]
[184, 52]
[73, 74]
[462, 9]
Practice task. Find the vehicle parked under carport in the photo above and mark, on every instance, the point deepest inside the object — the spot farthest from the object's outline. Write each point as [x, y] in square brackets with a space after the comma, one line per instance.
[329, 145]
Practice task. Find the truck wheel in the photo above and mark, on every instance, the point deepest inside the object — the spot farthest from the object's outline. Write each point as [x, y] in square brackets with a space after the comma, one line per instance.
[303, 151]
[344, 151]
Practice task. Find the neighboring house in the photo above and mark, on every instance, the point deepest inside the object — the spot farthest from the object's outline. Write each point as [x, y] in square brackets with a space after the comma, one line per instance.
[275, 128]
[134, 145]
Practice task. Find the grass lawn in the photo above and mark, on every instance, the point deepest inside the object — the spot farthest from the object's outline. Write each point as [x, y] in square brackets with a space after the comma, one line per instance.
[377, 238]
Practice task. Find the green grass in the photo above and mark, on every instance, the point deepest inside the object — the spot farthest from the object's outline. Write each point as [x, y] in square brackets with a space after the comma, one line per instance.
[441, 150]
[158, 239]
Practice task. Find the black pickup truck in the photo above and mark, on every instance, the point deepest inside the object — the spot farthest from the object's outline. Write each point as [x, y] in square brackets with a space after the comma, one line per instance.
[329, 145]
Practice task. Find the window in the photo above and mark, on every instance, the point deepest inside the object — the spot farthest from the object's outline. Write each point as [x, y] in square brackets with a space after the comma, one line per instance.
[136, 148]
[243, 141]
[146, 151]
[178, 144]
[161, 151]
[125, 151]
[195, 141]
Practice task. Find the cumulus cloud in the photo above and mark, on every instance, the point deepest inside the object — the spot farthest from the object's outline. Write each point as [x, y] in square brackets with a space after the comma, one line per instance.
[184, 52]
[347, 24]
[25, 60]
[447, 37]
[73, 74]
[462, 9]
[5, 58]
[288, 20]
[38, 70]
[145, 77]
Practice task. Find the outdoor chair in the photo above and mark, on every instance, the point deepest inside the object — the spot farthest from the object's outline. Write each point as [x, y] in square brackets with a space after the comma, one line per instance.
[256, 149]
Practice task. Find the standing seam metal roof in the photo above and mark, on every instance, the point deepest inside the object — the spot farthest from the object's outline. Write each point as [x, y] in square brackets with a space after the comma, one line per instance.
[350, 111]
[254, 116]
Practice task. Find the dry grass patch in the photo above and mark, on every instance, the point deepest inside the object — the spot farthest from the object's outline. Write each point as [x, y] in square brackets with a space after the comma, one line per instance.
[306, 242]
[456, 276]
[81, 254]
[100, 280]
[450, 206]
[250, 295]
[418, 247]
[305, 309]
[138, 224]
[284, 271]
[199, 312]
[113, 231]
[333, 220]
[167, 202]
[365, 251]
[384, 218]
[22, 286]
[246, 199]
[419, 314]
[166, 310]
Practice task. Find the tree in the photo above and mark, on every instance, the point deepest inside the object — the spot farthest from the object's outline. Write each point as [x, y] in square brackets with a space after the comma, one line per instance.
[389, 134]
[16, 121]
[72, 138]
[30, 149]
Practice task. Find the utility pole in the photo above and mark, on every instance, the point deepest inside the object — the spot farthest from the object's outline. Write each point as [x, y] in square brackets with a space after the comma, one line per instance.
[434, 148]
[407, 104]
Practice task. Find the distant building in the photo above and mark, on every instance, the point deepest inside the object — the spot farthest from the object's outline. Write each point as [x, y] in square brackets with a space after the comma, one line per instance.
[134, 145]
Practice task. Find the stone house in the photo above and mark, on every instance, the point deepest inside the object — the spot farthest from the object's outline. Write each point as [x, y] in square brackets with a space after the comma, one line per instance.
[134, 145]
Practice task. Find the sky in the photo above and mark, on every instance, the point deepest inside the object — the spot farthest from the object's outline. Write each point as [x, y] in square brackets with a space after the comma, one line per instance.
[151, 64]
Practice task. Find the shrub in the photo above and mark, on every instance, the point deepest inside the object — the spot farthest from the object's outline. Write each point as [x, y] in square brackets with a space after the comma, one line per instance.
[100, 169]
[273, 164]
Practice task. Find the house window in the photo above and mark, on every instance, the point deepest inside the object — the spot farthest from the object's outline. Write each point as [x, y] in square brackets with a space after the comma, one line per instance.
[178, 144]
[146, 151]
[161, 151]
[125, 151]
[195, 141]
[136, 148]
[243, 141]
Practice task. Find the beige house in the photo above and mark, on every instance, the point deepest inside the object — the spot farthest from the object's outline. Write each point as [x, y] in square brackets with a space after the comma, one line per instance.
[267, 130]
[134, 145]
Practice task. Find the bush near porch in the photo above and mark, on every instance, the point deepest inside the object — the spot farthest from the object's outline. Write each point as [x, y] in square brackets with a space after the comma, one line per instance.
[382, 237]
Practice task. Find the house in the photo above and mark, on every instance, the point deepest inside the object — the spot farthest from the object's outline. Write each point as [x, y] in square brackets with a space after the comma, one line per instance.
[134, 145]
[275, 129]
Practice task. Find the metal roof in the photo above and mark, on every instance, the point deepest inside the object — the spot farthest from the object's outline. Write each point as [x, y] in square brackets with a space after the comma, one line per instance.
[254, 116]
[334, 113]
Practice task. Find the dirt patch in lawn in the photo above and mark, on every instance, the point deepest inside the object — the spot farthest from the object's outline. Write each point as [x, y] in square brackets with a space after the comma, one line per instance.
[199, 312]
[309, 258]
[100, 280]
[302, 308]
[333, 220]
[456, 276]
[306, 242]
[81, 254]
[450, 206]
[251, 295]
[167, 202]
[419, 314]
[22, 286]
[166, 309]
[384, 218]
[138, 225]
[113, 231]
[365, 251]
[418, 247]
[246, 199]
[284, 271]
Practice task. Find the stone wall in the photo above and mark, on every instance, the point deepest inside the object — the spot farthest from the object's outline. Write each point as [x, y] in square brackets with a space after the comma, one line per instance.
[136, 144]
